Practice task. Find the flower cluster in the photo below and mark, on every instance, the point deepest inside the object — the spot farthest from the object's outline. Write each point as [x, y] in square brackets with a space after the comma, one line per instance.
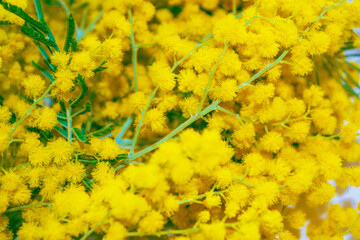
[178, 119]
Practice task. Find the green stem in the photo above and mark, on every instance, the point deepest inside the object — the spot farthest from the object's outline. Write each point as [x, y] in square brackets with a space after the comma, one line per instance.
[234, 7]
[39, 11]
[279, 59]
[316, 72]
[262, 71]
[182, 126]
[244, 183]
[210, 79]
[16, 140]
[144, 45]
[252, 121]
[346, 73]
[200, 196]
[340, 80]
[40, 15]
[26, 206]
[69, 127]
[152, 95]
[350, 55]
[134, 49]
[95, 227]
[162, 233]
[236, 115]
[81, 111]
[18, 123]
[352, 65]
[198, 45]
[319, 17]
[22, 165]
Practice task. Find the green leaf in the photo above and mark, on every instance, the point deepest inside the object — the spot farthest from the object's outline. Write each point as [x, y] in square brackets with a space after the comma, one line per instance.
[74, 45]
[84, 90]
[63, 107]
[101, 132]
[81, 137]
[81, 31]
[87, 181]
[40, 15]
[45, 56]
[61, 131]
[70, 33]
[340, 81]
[87, 108]
[5, 23]
[37, 36]
[46, 73]
[100, 68]
[121, 156]
[63, 123]
[20, 13]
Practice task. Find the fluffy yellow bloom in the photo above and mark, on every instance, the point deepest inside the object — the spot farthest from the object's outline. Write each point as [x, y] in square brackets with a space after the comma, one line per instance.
[60, 59]
[319, 43]
[74, 201]
[64, 80]
[138, 100]
[155, 120]
[263, 93]
[238, 193]
[272, 142]
[161, 75]
[103, 173]
[324, 121]
[34, 85]
[330, 165]
[47, 119]
[40, 156]
[22, 195]
[129, 207]
[83, 64]
[227, 90]
[297, 107]
[113, 50]
[257, 168]
[116, 232]
[229, 29]
[255, 164]
[212, 200]
[272, 221]
[321, 194]
[151, 223]
[296, 218]
[349, 133]
[189, 106]
[5, 114]
[121, 26]
[230, 64]
[61, 151]
[204, 216]
[314, 95]
[106, 148]
[214, 231]
[29, 231]
[245, 136]
[150, 173]
[299, 182]
[302, 66]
